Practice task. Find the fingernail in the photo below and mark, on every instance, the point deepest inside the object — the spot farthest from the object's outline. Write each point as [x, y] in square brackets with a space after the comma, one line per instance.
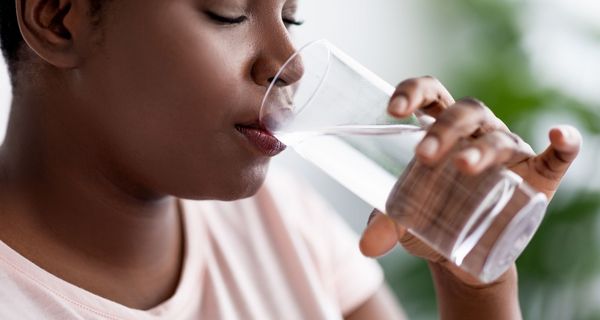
[565, 132]
[399, 104]
[428, 147]
[371, 216]
[472, 156]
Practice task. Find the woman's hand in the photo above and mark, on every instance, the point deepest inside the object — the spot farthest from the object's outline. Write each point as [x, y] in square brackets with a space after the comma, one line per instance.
[491, 144]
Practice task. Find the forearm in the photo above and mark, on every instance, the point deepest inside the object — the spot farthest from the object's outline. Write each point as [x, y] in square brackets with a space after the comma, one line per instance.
[457, 300]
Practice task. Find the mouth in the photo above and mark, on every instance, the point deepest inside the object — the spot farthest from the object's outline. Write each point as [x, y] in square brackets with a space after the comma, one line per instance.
[261, 138]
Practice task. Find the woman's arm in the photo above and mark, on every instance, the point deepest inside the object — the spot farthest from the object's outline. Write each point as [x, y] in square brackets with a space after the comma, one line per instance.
[498, 300]
[457, 300]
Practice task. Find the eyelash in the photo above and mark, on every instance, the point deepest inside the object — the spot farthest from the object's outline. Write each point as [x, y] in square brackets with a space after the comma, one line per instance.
[293, 22]
[238, 20]
[225, 20]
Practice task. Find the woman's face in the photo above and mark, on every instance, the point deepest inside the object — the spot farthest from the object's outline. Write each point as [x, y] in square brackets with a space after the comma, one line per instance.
[168, 84]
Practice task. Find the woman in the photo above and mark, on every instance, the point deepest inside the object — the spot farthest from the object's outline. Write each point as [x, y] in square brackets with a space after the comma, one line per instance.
[124, 108]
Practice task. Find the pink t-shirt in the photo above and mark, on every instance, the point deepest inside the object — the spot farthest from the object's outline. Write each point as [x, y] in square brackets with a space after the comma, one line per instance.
[282, 254]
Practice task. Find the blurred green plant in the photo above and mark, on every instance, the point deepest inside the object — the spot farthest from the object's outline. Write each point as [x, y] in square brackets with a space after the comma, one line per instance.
[559, 271]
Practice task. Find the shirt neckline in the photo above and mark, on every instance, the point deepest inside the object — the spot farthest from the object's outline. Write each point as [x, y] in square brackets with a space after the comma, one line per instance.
[79, 298]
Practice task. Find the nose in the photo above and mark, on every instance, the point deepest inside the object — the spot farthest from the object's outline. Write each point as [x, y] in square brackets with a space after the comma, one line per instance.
[274, 55]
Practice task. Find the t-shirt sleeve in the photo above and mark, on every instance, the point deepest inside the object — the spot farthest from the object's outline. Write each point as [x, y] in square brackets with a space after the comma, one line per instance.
[350, 277]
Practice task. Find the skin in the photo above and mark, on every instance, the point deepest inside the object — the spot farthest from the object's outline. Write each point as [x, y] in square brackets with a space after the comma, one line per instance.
[110, 124]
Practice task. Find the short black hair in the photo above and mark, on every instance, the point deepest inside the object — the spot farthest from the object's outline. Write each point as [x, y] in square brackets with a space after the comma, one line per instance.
[10, 36]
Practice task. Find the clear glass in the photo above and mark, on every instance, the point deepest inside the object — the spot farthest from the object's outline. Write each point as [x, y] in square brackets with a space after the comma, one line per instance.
[333, 112]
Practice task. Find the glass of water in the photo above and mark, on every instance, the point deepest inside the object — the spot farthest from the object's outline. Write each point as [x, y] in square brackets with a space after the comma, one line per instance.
[333, 112]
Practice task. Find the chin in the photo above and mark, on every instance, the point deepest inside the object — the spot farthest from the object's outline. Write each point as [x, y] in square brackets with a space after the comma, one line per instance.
[232, 185]
[247, 184]
[229, 179]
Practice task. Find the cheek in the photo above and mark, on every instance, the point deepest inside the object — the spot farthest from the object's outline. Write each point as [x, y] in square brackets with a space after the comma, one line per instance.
[164, 77]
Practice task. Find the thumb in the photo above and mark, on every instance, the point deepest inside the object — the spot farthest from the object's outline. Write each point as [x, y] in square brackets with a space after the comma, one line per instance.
[551, 165]
[380, 235]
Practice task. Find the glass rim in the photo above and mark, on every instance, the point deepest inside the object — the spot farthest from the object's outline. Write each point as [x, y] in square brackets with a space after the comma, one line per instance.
[298, 52]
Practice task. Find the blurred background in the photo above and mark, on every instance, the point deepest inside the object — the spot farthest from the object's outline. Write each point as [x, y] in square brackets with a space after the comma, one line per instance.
[536, 63]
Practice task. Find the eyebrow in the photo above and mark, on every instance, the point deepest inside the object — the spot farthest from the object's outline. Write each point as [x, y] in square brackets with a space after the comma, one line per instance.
[235, 3]
[292, 2]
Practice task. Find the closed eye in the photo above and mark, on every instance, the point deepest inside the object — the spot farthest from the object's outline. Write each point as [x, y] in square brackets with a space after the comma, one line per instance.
[225, 20]
[237, 20]
[293, 22]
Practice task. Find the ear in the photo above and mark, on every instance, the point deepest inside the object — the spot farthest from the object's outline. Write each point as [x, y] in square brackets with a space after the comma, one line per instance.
[54, 29]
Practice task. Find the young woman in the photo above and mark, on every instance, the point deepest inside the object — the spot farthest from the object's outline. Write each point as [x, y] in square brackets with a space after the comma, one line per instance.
[124, 108]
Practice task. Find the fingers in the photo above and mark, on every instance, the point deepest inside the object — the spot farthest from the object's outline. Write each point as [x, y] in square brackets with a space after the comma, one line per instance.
[425, 93]
[465, 118]
[380, 235]
[492, 149]
[565, 143]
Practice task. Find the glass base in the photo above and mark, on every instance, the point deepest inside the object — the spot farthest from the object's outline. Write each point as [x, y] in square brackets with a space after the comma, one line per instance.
[514, 239]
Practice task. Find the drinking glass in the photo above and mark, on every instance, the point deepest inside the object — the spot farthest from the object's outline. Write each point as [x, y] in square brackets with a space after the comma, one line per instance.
[333, 112]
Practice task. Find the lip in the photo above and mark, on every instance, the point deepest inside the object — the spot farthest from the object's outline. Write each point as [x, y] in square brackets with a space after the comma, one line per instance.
[261, 139]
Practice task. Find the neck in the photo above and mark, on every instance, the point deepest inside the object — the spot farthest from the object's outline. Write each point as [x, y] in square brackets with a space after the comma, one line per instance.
[73, 211]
